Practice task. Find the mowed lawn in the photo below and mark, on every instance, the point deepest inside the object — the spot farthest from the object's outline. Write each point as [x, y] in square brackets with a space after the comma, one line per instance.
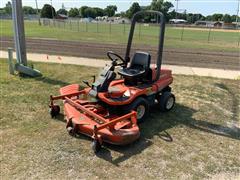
[118, 33]
[199, 138]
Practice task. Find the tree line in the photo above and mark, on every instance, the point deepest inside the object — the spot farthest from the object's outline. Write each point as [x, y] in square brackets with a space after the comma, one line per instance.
[165, 7]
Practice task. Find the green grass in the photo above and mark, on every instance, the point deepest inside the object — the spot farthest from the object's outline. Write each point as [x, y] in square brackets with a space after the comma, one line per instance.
[192, 39]
[204, 127]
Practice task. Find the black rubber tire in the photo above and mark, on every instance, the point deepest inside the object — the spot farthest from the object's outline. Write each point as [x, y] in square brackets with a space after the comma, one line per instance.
[137, 102]
[71, 128]
[163, 100]
[71, 131]
[96, 146]
[54, 111]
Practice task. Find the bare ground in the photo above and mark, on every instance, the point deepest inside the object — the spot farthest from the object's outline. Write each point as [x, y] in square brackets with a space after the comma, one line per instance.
[183, 57]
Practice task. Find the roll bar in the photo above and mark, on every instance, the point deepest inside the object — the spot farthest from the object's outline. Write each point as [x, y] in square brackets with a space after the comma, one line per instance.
[161, 38]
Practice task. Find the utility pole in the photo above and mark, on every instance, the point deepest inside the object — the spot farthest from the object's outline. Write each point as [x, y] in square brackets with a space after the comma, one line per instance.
[52, 10]
[19, 36]
[39, 21]
[237, 13]
[176, 9]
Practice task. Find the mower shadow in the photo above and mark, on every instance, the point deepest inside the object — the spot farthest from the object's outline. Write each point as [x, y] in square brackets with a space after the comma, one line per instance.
[46, 80]
[157, 125]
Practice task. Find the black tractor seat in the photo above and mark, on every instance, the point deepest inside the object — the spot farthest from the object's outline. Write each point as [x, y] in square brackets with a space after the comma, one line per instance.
[130, 72]
[139, 66]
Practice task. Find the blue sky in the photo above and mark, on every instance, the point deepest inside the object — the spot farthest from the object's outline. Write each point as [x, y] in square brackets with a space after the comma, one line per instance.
[194, 6]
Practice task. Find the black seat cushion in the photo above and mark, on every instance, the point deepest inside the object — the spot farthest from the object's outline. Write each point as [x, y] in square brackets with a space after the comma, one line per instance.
[129, 72]
[139, 66]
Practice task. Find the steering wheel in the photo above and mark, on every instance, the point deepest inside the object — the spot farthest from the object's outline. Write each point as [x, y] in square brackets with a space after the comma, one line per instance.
[114, 57]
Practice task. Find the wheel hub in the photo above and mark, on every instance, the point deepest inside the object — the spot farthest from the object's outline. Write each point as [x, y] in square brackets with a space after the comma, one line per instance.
[140, 111]
[170, 103]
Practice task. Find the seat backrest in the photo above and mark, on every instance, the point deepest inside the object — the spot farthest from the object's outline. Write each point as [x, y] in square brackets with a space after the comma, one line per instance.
[141, 59]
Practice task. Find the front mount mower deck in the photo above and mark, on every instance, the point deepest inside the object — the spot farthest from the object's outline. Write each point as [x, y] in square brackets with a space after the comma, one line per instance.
[110, 109]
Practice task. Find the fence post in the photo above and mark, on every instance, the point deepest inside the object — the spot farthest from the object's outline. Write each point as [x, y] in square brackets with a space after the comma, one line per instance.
[209, 32]
[70, 24]
[10, 61]
[64, 24]
[78, 25]
[110, 28]
[97, 27]
[86, 26]
[124, 28]
[139, 31]
[238, 35]
[182, 32]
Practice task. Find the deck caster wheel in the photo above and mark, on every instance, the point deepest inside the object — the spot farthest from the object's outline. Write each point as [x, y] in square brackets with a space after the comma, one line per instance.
[166, 101]
[54, 111]
[71, 131]
[96, 146]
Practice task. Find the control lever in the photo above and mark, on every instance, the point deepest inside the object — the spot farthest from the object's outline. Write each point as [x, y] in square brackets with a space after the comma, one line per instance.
[86, 82]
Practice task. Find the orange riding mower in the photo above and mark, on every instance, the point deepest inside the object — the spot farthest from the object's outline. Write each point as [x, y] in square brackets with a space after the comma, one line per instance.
[110, 109]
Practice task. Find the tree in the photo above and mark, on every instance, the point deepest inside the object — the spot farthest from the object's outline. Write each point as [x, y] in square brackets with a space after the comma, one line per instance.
[73, 12]
[133, 9]
[8, 8]
[62, 11]
[82, 11]
[209, 18]
[110, 10]
[217, 17]
[29, 10]
[233, 18]
[227, 18]
[99, 11]
[90, 12]
[162, 6]
[48, 11]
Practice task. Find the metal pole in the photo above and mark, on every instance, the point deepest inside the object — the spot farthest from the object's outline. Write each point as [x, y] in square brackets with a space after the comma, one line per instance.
[124, 28]
[237, 13]
[78, 25]
[139, 32]
[52, 12]
[97, 27]
[39, 20]
[86, 26]
[182, 32]
[110, 28]
[19, 35]
[176, 8]
[10, 61]
[209, 32]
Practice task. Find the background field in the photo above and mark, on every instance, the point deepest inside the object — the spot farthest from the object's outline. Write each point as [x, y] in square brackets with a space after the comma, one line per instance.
[118, 33]
[198, 139]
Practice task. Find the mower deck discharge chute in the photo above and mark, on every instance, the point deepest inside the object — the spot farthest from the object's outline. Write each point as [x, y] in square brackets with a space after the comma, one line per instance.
[110, 108]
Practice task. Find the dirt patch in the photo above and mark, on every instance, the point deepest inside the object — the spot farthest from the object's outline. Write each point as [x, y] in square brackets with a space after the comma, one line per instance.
[183, 57]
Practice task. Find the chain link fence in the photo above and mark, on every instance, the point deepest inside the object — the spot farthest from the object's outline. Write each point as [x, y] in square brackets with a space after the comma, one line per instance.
[177, 32]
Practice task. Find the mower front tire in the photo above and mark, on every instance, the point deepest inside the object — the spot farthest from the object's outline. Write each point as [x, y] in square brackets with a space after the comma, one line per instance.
[166, 101]
[141, 106]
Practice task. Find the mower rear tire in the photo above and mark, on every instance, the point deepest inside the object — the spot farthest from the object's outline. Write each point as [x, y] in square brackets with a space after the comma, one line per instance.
[166, 101]
[141, 106]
